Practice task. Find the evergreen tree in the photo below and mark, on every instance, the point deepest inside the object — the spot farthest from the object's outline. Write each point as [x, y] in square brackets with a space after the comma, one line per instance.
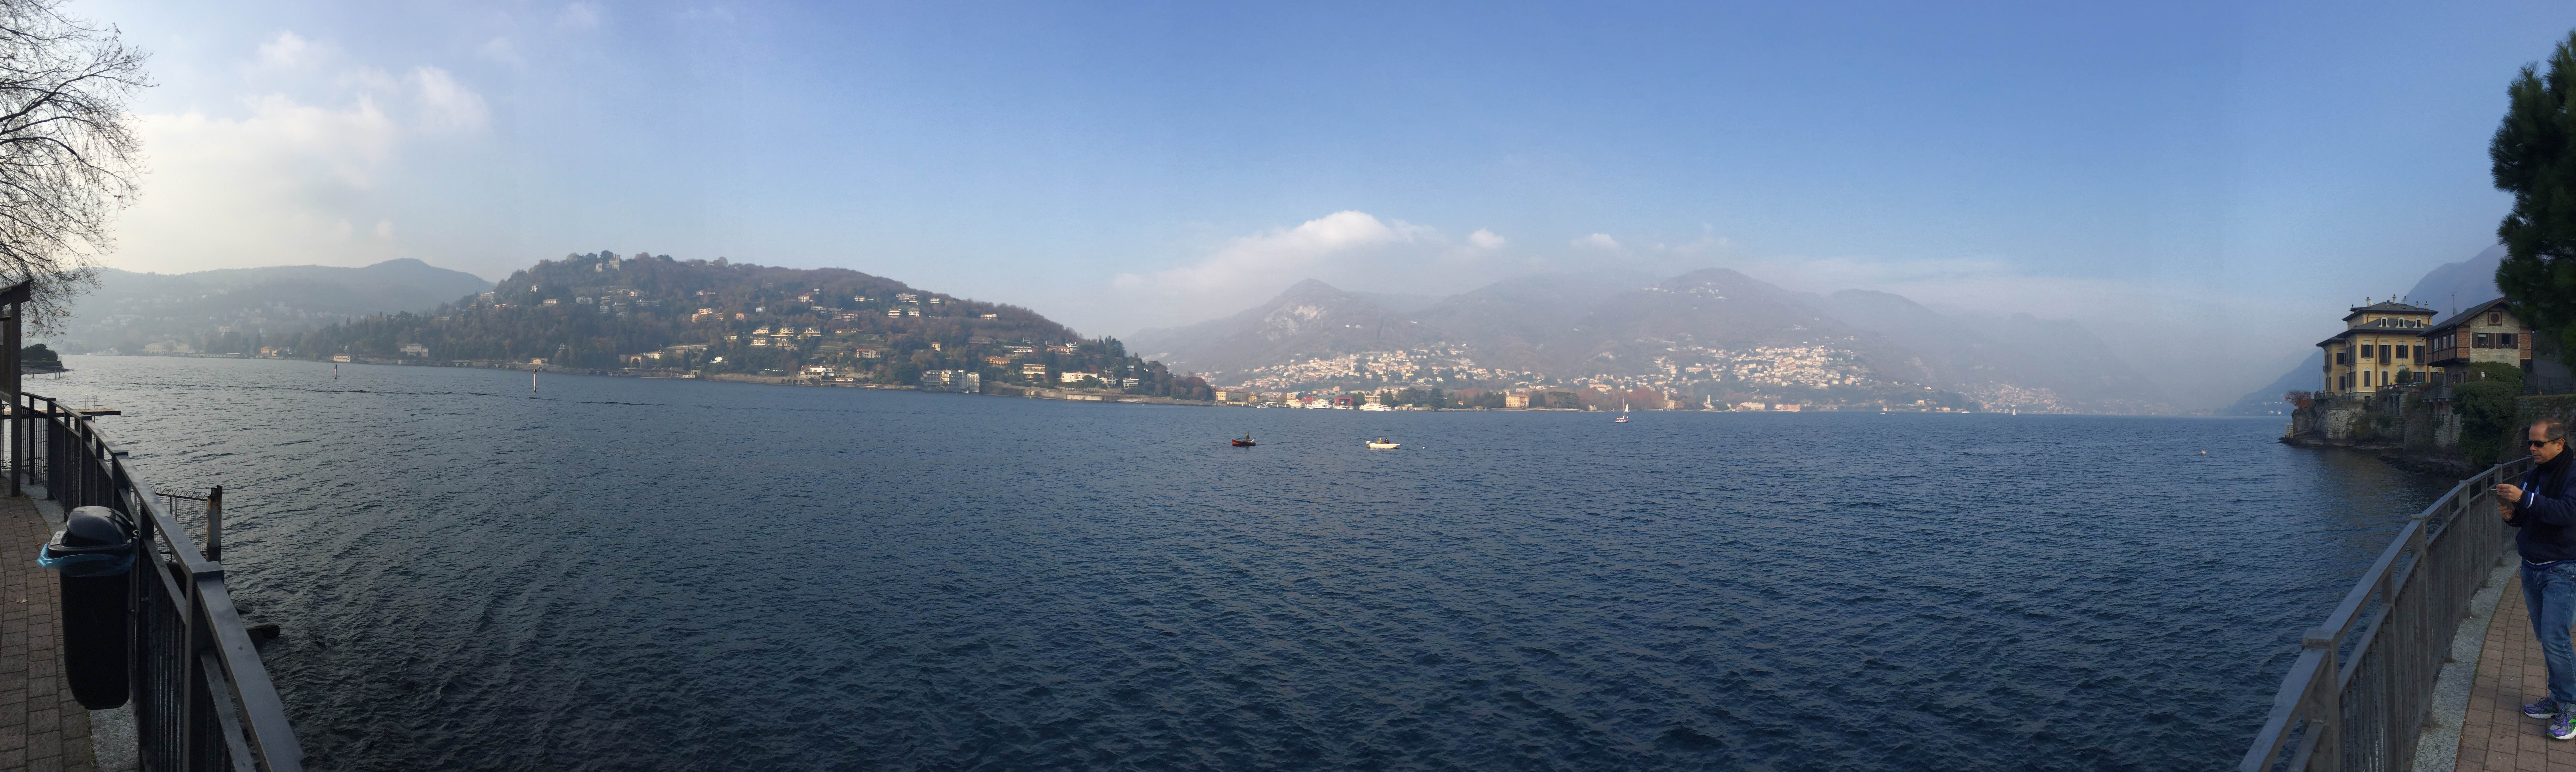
[2534, 154]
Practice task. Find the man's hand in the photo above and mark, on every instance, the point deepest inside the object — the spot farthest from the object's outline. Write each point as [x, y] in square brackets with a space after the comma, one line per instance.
[2509, 492]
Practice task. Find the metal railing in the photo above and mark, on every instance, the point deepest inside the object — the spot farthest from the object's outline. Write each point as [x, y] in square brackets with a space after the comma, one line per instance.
[202, 699]
[2357, 695]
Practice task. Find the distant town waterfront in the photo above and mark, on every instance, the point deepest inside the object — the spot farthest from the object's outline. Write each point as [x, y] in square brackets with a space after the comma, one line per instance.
[626, 573]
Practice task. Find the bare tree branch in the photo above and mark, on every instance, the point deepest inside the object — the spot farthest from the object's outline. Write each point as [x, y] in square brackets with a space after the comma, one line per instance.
[68, 156]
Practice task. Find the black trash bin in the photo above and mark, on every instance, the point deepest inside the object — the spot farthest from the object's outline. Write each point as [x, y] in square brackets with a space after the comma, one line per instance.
[95, 553]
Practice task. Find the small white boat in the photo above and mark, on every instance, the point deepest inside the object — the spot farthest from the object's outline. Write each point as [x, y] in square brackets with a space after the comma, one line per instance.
[1381, 444]
[1623, 414]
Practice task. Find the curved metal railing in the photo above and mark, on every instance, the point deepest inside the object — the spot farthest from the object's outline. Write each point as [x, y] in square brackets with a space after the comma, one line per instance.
[202, 698]
[2356, 697]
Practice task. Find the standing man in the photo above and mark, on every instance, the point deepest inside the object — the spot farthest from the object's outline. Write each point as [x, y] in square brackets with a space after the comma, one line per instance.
[2544, 510]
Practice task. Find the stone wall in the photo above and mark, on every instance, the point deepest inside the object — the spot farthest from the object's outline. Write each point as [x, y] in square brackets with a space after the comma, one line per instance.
[2349, 421]
[2402, 428]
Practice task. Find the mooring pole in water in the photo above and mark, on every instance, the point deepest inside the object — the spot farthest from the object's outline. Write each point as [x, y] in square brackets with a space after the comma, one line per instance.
[215, 523]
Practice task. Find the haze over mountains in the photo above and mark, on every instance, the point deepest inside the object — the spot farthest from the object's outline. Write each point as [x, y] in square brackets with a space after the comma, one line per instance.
[1715, 335]
[130, 310]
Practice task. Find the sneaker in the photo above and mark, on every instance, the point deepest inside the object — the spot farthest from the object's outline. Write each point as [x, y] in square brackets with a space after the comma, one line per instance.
[2565, 727]
[2544, 708]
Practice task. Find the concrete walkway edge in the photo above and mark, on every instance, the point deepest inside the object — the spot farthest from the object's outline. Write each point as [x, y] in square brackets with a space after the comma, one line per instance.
[2438, 750]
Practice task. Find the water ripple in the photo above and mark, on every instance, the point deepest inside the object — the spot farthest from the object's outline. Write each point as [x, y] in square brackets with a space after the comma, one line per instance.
[627, 574]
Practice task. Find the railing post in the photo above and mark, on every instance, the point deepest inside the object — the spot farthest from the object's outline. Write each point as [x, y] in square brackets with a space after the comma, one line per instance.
[9, 329]
[2325, 701]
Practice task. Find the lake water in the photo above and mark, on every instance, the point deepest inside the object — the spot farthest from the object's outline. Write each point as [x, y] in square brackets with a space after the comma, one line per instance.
[653, 574]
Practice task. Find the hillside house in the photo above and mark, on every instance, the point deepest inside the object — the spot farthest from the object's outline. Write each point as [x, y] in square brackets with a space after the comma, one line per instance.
[2382, 344]
[2486, 332]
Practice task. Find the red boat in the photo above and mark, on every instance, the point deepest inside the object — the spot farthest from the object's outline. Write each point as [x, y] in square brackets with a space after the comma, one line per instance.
[1246, 442]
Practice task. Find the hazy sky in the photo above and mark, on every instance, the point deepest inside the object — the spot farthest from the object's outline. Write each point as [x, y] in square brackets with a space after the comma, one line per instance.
[2206, 187]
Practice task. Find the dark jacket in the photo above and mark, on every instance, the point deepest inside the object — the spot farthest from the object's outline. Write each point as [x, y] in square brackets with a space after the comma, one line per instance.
[2547, 513]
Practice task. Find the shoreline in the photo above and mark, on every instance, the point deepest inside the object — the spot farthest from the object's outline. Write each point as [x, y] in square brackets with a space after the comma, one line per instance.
[1024, 392]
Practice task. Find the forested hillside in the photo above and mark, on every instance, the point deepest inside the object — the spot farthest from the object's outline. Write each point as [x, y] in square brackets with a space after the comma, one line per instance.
[602, 311]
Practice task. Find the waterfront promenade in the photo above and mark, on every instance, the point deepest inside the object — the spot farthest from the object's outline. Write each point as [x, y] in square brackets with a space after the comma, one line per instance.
[2495, 736]
[41, 728]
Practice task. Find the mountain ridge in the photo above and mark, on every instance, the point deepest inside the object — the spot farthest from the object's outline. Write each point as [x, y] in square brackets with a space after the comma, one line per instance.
[130, 309]
[1705, 335]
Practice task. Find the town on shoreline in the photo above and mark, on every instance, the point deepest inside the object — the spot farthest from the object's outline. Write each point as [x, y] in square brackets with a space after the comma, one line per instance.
[967, 382]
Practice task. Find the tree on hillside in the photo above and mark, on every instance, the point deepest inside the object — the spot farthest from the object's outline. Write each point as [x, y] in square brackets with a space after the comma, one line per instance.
[2534, 155]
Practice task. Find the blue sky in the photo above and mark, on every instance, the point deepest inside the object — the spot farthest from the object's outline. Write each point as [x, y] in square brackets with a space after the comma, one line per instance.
[2204, 185]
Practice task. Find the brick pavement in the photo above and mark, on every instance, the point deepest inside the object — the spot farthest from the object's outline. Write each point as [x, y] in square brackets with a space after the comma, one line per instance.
[41, 727]
[2495, 736]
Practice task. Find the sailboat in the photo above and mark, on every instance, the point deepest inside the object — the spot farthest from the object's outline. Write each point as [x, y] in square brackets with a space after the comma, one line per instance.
[1623, 414]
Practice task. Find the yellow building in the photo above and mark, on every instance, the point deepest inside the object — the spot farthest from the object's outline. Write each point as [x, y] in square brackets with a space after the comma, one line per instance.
[2382, 345]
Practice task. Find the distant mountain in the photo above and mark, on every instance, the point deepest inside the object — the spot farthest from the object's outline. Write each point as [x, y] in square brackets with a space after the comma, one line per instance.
[1716, 312]
[131, 310]
[1711, 335]
[2455, 286]
[2309, 375]
[2447, 288]
[2018, 359]
[1513, 323]
[1310, 320]
[1399, 303]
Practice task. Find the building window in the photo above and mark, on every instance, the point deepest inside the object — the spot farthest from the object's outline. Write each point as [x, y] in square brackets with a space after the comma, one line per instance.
[2365, 352]
[2482, 341]
[2365, 378]
[2495, 317]
[2505, 340]
[2383, 352]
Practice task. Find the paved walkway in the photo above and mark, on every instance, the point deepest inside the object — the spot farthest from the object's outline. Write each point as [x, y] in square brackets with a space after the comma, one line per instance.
[41, 728]
[2495, 736]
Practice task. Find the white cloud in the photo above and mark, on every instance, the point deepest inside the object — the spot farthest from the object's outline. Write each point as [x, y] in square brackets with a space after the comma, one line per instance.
[501, 51]
[1601, 241]
[578, 16]
[446, 105]
[1264, 257]
[1349, 249]
[289, 176]
[289, 51]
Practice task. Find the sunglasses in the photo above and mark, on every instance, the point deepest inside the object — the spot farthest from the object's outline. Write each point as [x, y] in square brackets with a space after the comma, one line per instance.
[2536, 443]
